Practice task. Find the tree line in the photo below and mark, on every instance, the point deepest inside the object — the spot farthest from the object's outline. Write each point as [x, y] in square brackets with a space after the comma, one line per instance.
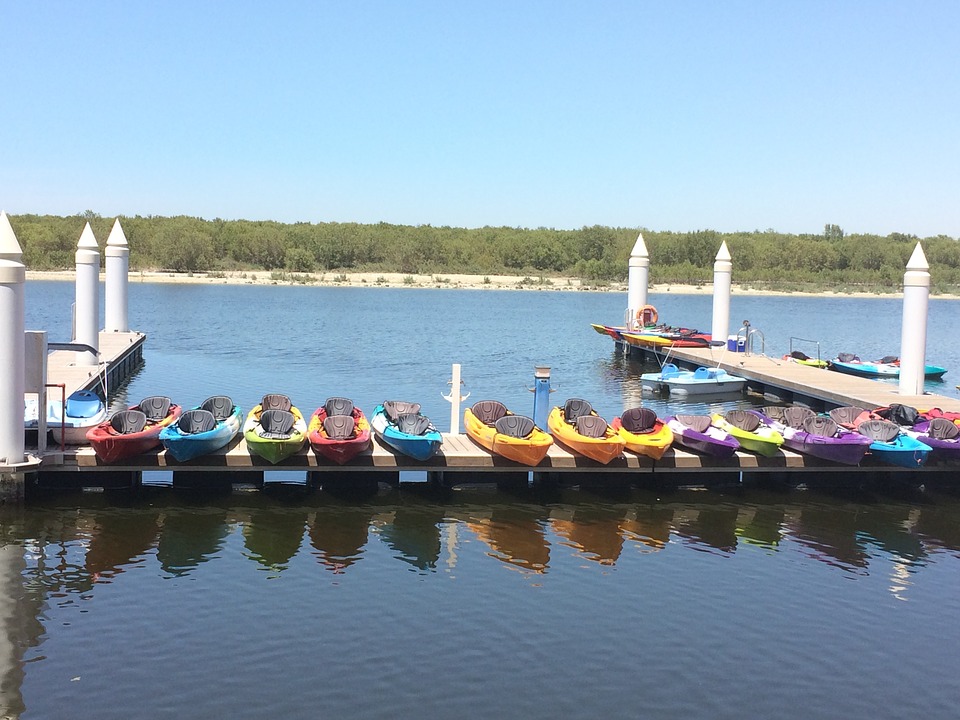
[596, 254]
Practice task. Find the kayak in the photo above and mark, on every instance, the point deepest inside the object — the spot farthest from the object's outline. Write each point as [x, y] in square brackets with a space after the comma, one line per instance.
[816, 435]
[643, 432]
[516, 437]
[578, 426]
[338, 430]
[697, 433]
[133, 431]
[275, 429]
[750, 430]
[202, 430]
[400, 425]
[880, 369]
[893, 446]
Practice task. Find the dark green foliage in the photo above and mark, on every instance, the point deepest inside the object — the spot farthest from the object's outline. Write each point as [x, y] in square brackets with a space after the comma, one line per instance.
[597, 254]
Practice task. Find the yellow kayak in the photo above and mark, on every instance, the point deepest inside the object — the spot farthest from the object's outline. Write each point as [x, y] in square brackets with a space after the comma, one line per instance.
[749, 431]
[643, 432]
[275, 429]
[578, 426]
[515, 437]
[646, 340]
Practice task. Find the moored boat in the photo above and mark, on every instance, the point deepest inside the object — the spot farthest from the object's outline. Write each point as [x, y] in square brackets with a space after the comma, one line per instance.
[643, 432]
[750, 430]
[133, 431]
[401, 426]
[339, 430]
[887, 367]
[819, 436]
[685, 383]
[203, 429]
[893, 446]
[68, 423]
[516, 437]
[275, 429]
[578, 426]
[941, 434]
[698, 433]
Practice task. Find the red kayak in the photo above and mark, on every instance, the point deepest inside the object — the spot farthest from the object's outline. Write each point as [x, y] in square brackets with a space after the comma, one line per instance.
[133, 431]
[338, 430]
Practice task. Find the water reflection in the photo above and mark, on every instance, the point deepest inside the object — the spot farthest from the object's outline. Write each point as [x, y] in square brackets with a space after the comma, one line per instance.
[338, 534]
[119, 539]
[413, 532]
[514, 535]
[594, 531]
[189, 537]
[649, 526]
[273, 536]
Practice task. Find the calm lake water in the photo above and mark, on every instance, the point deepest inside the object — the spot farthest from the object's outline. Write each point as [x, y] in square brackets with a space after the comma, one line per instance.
[475, 602]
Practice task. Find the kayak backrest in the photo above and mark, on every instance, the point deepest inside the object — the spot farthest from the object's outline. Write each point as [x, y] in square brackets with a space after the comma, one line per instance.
[847, 357]
[413, 423]
[774, 412]
[338, 406]
[795, 416]
[638, 420]
[518, 426]
[276, 424]
[847, 415]
[127, 422]
[591, 426]
[700, 423]
[489, 411]
[819, 425]
[275, 401]
[799, 355]
[576, 408]
[881, 430]
[395, 408]
[155, 407]
[339, 427]
[196, 421]
[220, 405]
[742, 419]
[943, 429]
[889, 359]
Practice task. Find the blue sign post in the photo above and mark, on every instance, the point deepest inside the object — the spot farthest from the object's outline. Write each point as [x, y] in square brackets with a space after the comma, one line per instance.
[541, 395]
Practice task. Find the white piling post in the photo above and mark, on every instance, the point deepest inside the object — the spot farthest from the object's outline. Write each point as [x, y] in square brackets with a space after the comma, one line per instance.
[12, 278]
[455, 398]
[722, 273]
[117, 271]
[87, 309]
[638, 278]
[913, 332]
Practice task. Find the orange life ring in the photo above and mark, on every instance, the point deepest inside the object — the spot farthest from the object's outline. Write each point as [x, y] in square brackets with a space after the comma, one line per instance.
[647, 315]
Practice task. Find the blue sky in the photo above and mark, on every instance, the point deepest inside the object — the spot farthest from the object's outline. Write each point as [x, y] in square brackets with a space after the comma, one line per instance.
[667, 115]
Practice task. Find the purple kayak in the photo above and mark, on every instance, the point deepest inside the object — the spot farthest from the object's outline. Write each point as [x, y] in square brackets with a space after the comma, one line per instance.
[816, 435]
[941, 434]
[697, 433]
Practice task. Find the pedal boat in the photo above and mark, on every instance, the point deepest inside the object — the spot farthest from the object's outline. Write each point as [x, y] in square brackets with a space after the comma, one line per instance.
[515, 437]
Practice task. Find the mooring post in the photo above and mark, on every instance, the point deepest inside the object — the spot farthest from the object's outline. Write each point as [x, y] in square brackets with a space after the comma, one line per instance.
[638, 278]
[913, 332]
[455, 398]
[541, 395]
[117, 271]
[87, 309]
[12, 278]
[722, 272]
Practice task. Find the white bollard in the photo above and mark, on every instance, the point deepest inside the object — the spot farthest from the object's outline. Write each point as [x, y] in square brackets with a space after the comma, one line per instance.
[638, 278]
[913, 332]
[12, 278]
[117, 262]
[455, 398]
[722, 273]
[87, 308]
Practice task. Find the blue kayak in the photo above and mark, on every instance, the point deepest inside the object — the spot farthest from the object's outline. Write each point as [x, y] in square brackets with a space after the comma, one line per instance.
[881, 369]
[401, 426]
[202, 430]
[893, 446]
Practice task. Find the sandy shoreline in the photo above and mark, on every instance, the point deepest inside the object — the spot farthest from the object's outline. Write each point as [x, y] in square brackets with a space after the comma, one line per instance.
[458, 281]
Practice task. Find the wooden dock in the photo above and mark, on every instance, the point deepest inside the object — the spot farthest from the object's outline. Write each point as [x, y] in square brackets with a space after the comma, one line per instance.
[121, 354]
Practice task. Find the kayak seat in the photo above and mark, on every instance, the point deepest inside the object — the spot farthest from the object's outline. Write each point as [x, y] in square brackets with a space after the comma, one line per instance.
[193, 422]
[338, 406]
[413, 423]
[155, 407]
[489, 411]
[846, 416]
[127, 422]
[881, 430]
[638, 420]
[743, 419]
[701, 373]
[943, 429]
[220, 405]
[819, 425]
[395, 408]
[339, 427]
[889, 360]
[774, 412]
[275, 401]
[518, 426]
[83, 404]
[795, 416]
[576, 408]
[591, 426]
[668, 371]
[847, 357]
[276, 424]
[700, 423]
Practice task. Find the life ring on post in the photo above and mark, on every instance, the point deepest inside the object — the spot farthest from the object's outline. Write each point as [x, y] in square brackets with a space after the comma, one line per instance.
[647, 315]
